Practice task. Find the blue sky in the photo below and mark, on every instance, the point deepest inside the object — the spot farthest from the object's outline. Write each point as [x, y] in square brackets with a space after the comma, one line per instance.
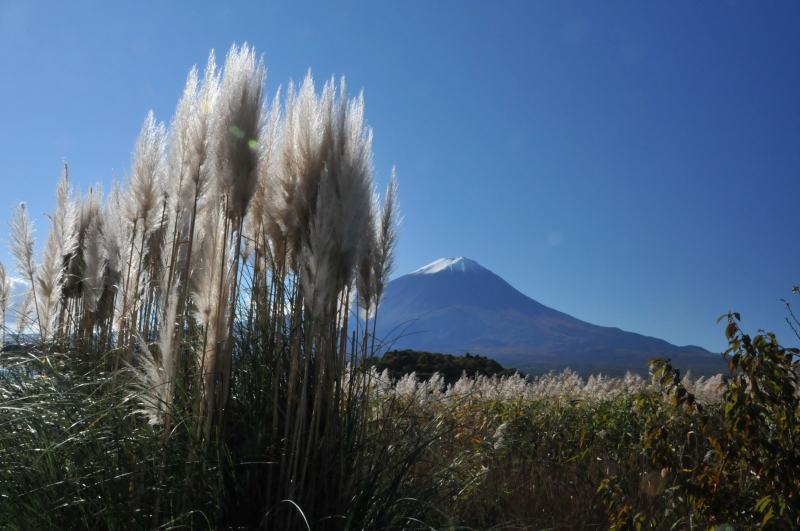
[631, 164]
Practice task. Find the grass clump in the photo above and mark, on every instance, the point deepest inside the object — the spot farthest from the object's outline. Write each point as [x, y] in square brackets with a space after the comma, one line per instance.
[195, 319]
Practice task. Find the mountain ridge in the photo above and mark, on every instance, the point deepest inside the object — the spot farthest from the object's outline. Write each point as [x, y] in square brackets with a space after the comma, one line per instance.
[456, 305]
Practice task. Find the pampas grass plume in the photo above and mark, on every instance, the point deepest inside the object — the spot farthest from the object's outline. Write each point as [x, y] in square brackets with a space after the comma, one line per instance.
[22, 241]
[5, 292]
[23, 312]
[180, 152]
[239, 122]
[95, 258]
[388, 231]
[114, 230]
[201, 141]
[61, 242]
[146, 172]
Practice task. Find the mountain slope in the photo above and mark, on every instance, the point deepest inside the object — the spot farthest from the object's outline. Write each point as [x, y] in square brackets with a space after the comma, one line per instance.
[455, 305]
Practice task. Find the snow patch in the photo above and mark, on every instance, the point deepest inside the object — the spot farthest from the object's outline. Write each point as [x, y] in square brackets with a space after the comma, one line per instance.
[460, 264]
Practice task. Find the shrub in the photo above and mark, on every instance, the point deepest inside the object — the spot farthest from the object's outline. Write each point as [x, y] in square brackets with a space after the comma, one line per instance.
[736, 463]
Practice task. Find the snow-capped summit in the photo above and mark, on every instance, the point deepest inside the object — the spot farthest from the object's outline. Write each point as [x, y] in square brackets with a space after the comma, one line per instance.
[460, 264]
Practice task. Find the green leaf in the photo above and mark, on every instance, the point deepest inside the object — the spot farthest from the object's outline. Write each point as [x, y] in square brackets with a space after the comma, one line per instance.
[763, 503]
[767, 517]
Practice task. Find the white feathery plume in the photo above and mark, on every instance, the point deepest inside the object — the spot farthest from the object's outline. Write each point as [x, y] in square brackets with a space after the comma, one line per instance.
[150, 387]
[61, 242]
[353, 148]
[130, 266]
[166, 339]
[115, 232]
[261, 203]
[302, 149]
[5, 289]
[202, 274]
[376, 262]
[350, 166]
[180, 186]
[22, 249]
[365, 282]
[90, 210]
[388, 231]
[192, 145]
[22, 241]
[180, 150]
[117, 238]
[143, 197]
[707, 391]
[5, 293]
[193, 130]
[318, 251]
[339, 217]
[318, 241]
[202, 141]
[343, 211]
[95, 258]
[205, 273]
[144, 185]
[280, 185]
[23, 311]
[238, 122]
[209, 297]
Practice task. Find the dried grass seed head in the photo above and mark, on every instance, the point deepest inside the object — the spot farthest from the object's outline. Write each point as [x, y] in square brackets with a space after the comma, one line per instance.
[388, 231]
[5, 293]
[180, 152]
[60, 244]
[302, 151]
[21, 243]
[238, 121]
[94, 258]
[145, 186]
[23, 312]
[116, 230]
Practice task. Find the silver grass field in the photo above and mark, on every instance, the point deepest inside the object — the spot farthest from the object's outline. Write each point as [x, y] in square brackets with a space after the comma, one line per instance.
[190, 349]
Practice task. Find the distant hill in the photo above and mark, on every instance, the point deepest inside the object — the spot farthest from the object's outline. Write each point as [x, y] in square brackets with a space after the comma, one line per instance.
[402, 362]
[456, 305]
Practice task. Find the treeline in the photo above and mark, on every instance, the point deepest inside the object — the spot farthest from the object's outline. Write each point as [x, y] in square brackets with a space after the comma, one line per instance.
[402, 362]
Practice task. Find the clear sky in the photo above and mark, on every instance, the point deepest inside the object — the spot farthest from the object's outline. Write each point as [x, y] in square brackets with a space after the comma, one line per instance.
[633, 164]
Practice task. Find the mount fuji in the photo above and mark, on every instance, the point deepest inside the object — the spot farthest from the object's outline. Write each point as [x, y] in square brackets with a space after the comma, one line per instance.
[455, 306]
